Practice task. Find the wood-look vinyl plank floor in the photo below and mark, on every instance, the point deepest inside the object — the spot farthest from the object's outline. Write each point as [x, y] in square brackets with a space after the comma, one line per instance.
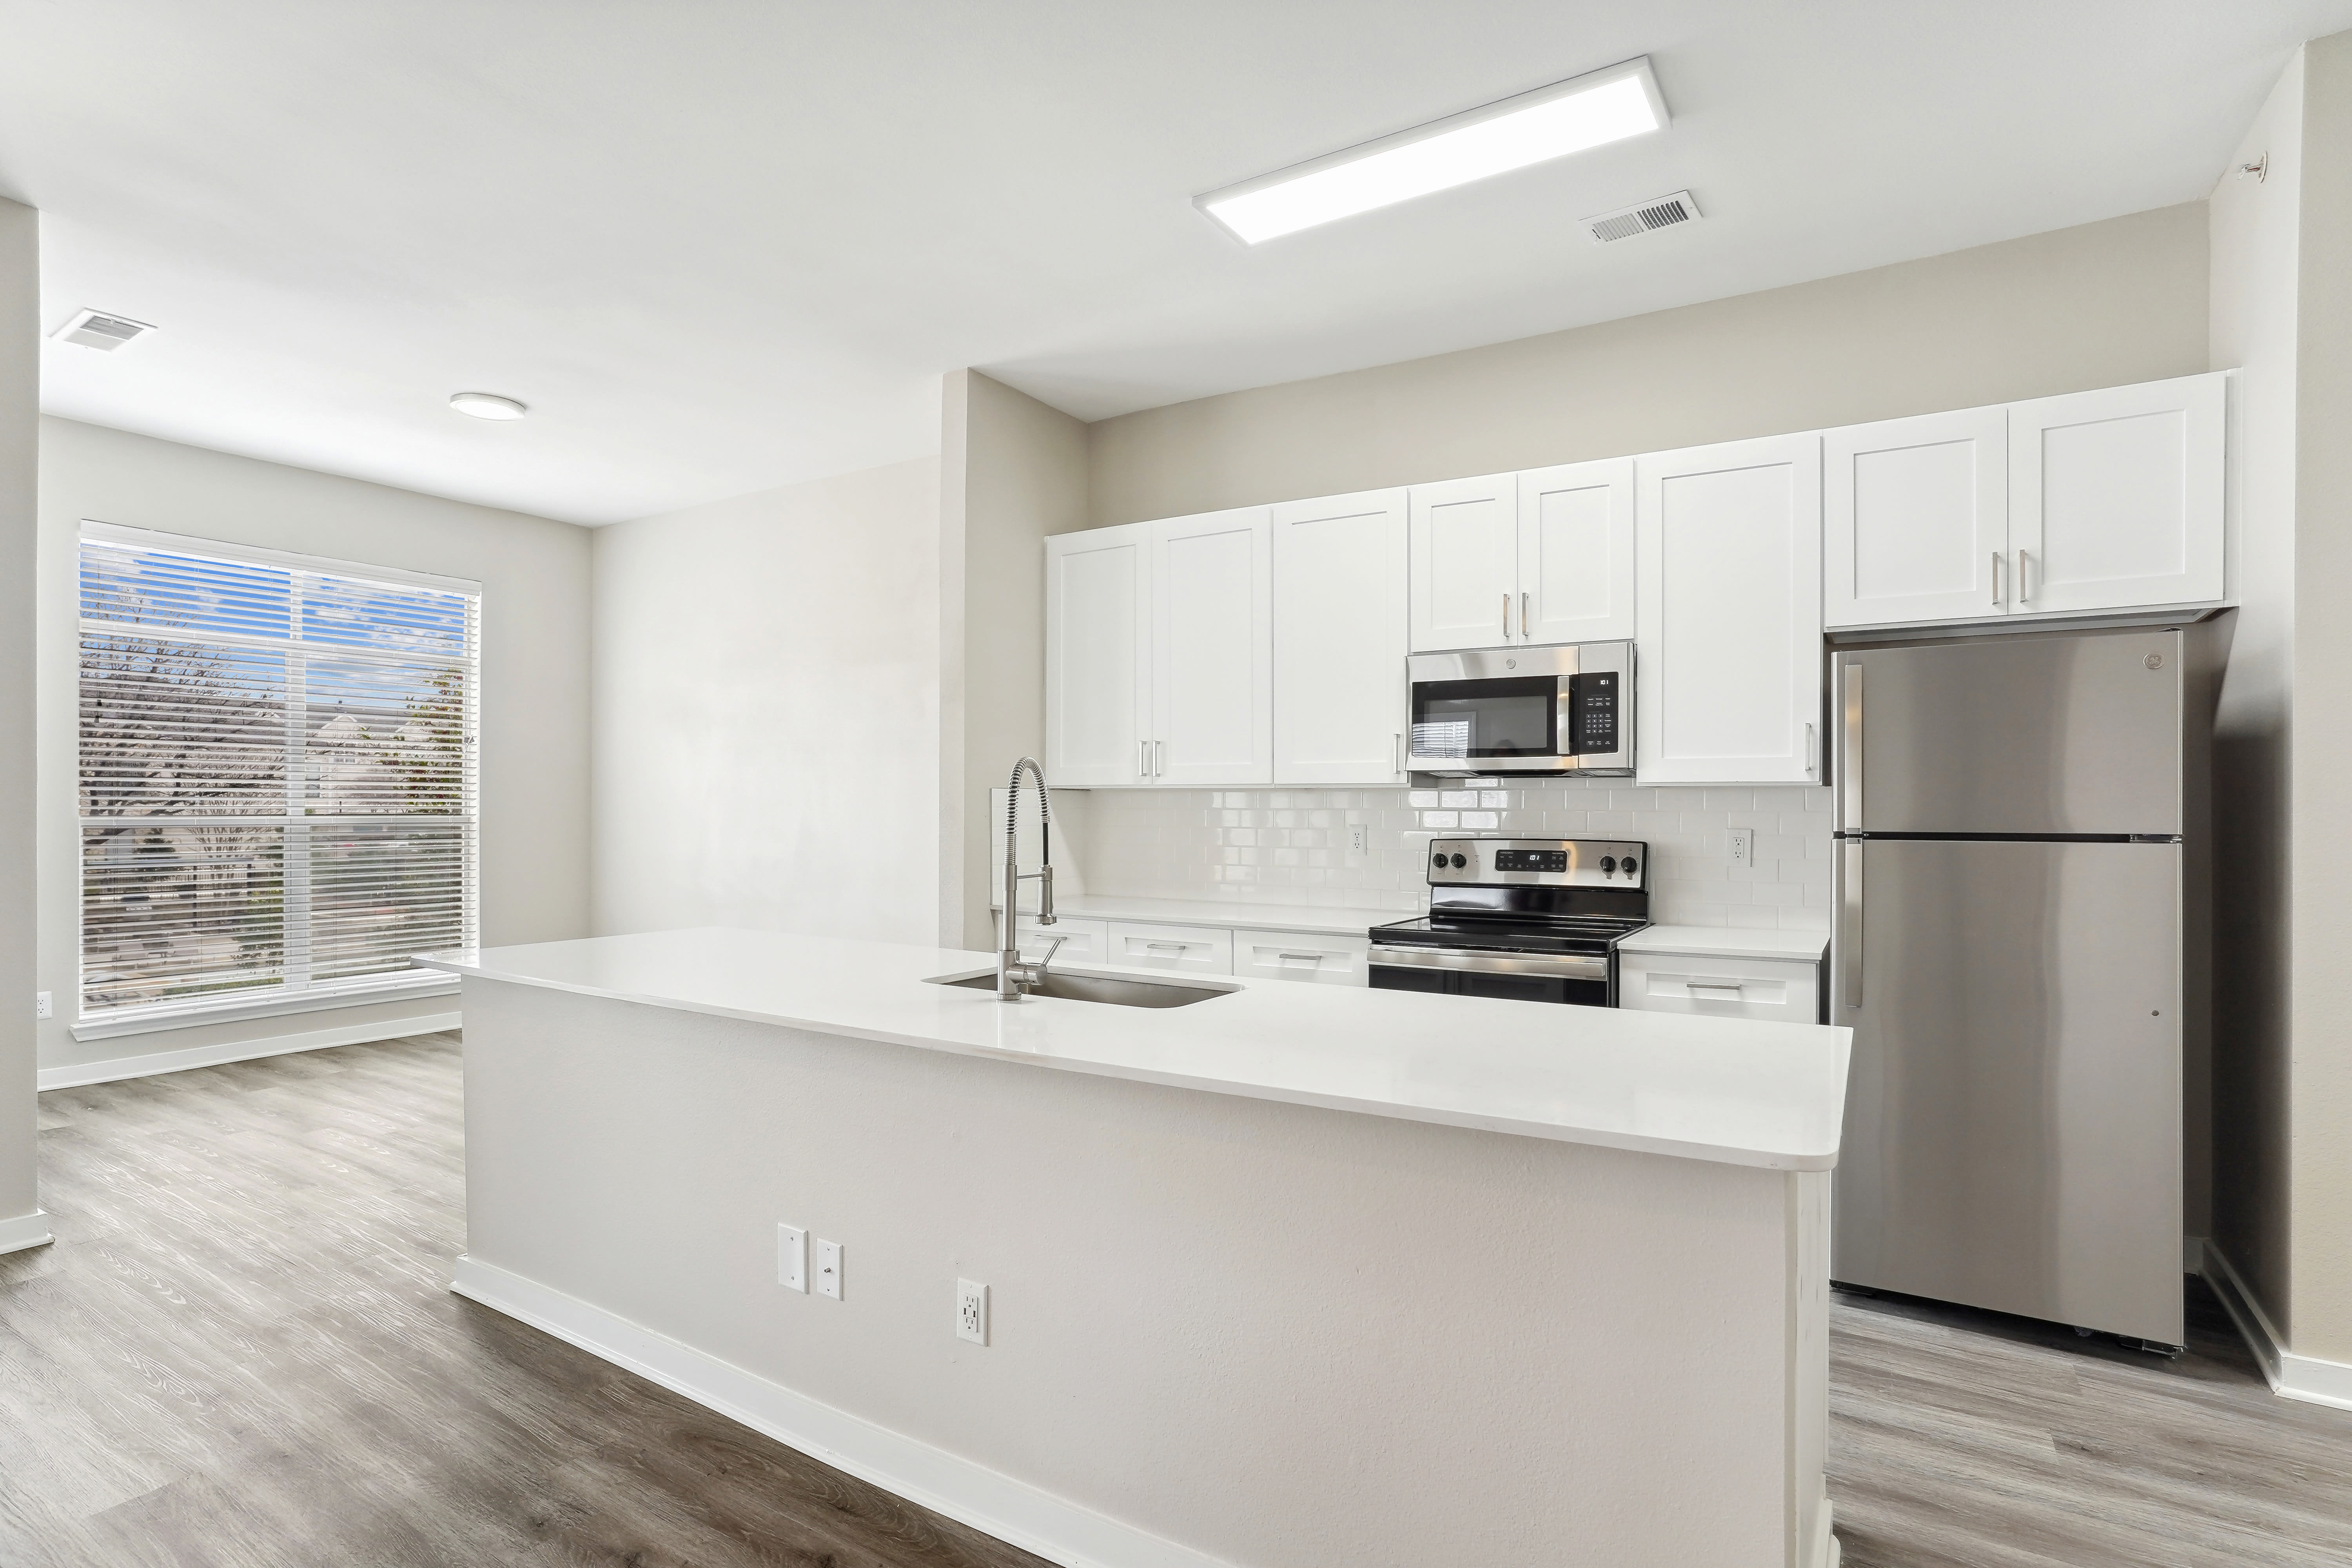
[244, 1354]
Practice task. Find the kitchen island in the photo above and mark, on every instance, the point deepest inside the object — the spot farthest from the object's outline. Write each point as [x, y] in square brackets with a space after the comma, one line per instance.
[1296, 1275]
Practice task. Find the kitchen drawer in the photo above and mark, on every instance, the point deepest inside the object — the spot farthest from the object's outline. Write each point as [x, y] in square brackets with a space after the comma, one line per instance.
[1785, 991]
[1195, 950]
[1289, 955]
[1087, 941]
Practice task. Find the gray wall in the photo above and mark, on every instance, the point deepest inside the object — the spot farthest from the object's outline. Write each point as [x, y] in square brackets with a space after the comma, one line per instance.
[2254, 226]
[2097, 305]
[2319, 1125]
[534, 766]
[20, 343]
[1012, 471]
[766, 719]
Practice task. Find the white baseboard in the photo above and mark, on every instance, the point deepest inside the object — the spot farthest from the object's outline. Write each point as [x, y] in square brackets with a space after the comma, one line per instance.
[1009, 1510]
[2291, 1376]
[74, 1075]
[26, 1230]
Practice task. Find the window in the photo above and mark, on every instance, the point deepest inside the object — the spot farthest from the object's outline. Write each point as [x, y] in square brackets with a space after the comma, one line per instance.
[277, 777]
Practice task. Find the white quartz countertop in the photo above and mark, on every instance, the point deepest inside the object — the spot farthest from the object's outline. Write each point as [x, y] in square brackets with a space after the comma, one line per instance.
[1728, 942]
[1230, 913]
[1733, 1090]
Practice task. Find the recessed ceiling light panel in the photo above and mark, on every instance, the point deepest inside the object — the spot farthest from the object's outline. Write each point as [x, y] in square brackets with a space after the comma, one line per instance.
[1590, 111]
[97, 329]
[486, 405]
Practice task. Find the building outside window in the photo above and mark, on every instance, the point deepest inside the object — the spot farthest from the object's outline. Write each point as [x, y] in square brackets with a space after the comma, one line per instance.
[278, 778]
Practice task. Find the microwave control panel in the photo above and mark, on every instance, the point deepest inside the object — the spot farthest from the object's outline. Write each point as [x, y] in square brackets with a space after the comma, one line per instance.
[1592, 713]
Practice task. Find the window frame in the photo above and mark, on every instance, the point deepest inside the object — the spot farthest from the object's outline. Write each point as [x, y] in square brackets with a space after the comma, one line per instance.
[290, 995]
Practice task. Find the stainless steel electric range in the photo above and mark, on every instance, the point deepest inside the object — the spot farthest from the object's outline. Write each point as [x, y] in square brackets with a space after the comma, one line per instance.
[1533, 919]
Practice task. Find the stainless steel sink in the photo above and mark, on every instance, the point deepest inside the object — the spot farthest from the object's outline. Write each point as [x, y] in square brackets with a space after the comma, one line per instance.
[1102, 988]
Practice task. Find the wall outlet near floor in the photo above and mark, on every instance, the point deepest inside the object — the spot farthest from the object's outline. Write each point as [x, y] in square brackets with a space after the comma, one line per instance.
[1359, 842]
[792, 1257]
[1743, 846]
[828, 1268]
[971, 1312]
[41, 1009]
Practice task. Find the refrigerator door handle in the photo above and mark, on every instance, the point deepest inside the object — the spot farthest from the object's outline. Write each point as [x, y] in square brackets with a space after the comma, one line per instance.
[1849, 932]
[1849, 768]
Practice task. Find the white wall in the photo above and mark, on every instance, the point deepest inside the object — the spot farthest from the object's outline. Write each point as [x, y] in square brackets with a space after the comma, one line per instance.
[2254, 227]
[534, 781]
[767, 712]
[20, 341]
[1291, 846]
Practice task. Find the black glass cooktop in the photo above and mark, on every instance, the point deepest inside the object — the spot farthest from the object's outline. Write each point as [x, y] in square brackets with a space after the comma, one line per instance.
[1511, 934]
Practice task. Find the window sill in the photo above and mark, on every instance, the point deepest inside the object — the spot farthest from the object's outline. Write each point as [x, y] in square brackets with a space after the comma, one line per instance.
[148, 1021]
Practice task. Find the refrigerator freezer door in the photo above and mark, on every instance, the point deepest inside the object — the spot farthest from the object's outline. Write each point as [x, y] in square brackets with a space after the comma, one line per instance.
[2076, 733]
[2013, 1132]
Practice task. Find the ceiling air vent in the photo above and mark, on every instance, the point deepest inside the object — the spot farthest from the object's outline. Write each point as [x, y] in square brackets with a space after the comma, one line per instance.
[97, 329]
[1664, 212]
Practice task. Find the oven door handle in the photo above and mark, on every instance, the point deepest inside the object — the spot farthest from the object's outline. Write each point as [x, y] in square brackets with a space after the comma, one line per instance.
[1484, 961]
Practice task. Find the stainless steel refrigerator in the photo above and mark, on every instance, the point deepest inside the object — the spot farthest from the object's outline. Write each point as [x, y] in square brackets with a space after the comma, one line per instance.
[2019, 950]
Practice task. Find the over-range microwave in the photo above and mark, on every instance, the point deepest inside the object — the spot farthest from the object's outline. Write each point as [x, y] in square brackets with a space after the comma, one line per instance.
[1567, 709]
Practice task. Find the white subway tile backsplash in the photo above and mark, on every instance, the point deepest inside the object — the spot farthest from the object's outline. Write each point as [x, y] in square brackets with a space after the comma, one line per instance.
[1290, 846]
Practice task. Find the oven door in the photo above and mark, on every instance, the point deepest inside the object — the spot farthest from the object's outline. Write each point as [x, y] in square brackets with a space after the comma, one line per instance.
[1578, 980]
[1523, 710]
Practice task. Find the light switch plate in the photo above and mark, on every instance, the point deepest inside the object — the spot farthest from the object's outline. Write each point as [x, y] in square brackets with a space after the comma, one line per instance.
[828, 1268]
[792, 1257]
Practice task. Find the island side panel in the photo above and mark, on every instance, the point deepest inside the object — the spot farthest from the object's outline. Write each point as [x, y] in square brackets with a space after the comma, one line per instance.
[1275, 1334]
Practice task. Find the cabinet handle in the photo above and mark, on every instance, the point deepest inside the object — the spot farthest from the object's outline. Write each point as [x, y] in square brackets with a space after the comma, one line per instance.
[1143, 759]
[1314, 958]
[1396, 752]
[2024, 582]
[1159, 758]
[1812, 752]
[1523, 616]
[1996, 579]
[1506, 618]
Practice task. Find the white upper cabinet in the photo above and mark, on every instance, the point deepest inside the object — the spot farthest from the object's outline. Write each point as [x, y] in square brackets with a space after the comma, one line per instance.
[1914, 519]
[1576, 552]
[2115, 495]
[1339, 698]
[1465, 562]
[1099, 656]
[1728, 683]
[1213, 648]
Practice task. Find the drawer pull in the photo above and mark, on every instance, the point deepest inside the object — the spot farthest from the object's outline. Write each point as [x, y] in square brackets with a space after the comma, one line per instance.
[1301, 957]
[1166, 946]
[1715, 990]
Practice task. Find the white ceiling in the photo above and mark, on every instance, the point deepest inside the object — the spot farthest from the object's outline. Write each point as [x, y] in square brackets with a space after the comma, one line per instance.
[720, 245]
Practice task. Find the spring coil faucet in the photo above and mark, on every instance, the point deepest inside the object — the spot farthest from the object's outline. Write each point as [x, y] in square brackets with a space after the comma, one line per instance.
[1014, 978]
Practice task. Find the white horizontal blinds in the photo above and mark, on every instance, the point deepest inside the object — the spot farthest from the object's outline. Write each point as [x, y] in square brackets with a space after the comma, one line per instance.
[278, 774]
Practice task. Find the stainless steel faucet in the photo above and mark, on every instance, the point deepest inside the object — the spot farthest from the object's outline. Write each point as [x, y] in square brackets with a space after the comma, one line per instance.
[1013, 976]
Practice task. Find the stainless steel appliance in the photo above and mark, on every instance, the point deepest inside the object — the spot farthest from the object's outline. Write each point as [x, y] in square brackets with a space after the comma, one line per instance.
[1537, 919]
[2018, 845]
[1567, 709]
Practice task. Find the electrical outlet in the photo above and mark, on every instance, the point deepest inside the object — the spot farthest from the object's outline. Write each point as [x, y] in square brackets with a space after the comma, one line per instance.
[792, 1257]
[1743, 846]
[1360, 838]
[971, 1312]
[41, 1009]
[828, 1268]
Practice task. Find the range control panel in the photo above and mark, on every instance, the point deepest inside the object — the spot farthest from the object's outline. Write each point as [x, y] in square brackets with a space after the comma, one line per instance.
[1538, 862]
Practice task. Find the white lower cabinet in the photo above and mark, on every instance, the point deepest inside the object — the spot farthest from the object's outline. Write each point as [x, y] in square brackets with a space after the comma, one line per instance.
[1289, 955]
[1084, 942]
[1777, 990]
[1192, 950]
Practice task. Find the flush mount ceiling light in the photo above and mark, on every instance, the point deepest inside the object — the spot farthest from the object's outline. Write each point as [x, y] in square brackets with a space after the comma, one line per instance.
[486, 405]
[1590, 111]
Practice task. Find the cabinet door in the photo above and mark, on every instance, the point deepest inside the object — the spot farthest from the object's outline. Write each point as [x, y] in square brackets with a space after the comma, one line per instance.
[1339, 696]
[1213, 648]
[1099, 656]
[2115, 495]
[1465, 562]
[1728, 677]
[1576, 552]
[1914, 519]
